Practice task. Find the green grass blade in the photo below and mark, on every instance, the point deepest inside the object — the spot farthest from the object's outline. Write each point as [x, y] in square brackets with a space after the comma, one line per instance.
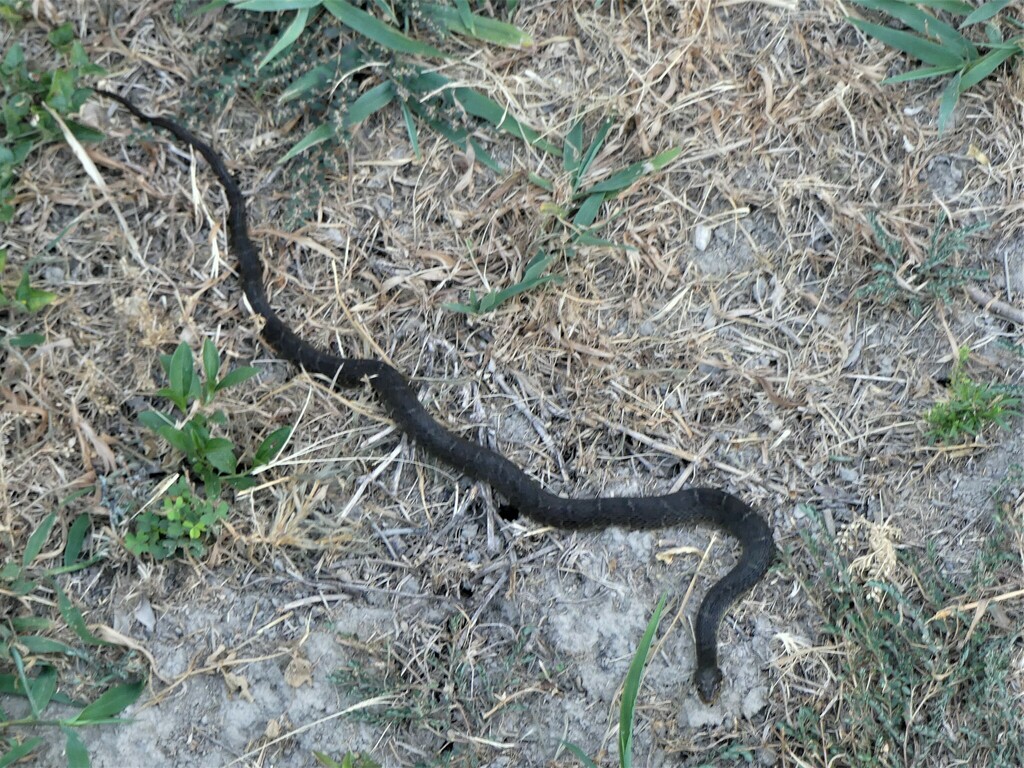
[592, 151]
[18, 751]
[957, 7]
[588, 211]
[40, 645]
[38, 539]
[314, 80]
[540, 181]
[631, 689]
[579, 754]
[289, 36]
[374, 29]
[318, 135]
[44, 685]
[272, 6]
[487, 109]
[74, 750]
[950, 96]
[925, 24]
[369, 103]
[109, 704]
[410, 129]
[984, 12]
[918, 47]
[920, 74]
[26, 340]
[985, 66]
[628, 176]
[76, 539]
[481, 27]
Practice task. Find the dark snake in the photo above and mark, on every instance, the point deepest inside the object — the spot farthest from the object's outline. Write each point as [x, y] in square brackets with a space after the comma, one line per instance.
[684, 507]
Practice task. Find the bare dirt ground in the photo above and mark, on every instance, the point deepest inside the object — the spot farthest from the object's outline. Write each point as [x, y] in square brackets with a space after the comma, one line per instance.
[750, 363]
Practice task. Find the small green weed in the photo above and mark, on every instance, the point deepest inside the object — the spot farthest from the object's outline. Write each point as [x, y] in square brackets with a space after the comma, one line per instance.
[29, 655]
[577, 213]
[31, 94]
[630, 691]
[186, 516]
[941, 47]
[971, 407]
[213, 459]
[912, 678]
[350, 760]
[934, 279]
[25, 298]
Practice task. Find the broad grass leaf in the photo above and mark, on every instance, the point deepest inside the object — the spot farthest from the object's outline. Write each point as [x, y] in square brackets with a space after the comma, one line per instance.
[986, 65]
[369, 103]
[374, 29]
[920, 74]
[947, 104]
[76, 539]
[38, 539]
[631, 688]
[318, 135]
[271, 446]
[628, 176]
[75, 753]
[918, 47]
[110, 703]
[924, 24]
[481, 27]
[19, 751]
[588, 211]
[984, 12]
[314, 80]
[272, 6]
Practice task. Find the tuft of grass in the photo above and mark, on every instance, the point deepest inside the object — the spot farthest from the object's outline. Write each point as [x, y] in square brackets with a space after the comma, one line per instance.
[576, 213]
[972, 407]
[31, 658]
[932, 39]
[900, 278]
[917, 678]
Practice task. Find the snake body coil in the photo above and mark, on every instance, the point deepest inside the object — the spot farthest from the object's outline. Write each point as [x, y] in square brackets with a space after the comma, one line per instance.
[684, 507]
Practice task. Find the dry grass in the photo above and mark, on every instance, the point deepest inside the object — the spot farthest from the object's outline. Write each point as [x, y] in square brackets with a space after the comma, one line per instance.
[750, 365]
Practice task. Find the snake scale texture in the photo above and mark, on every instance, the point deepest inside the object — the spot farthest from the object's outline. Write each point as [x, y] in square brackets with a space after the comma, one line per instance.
[684, 507]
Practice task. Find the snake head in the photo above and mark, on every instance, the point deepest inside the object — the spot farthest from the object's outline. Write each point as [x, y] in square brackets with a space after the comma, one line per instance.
[708, 682]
